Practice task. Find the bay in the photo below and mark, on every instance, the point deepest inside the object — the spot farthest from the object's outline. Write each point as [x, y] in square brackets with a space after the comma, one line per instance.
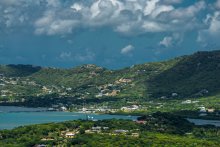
[204, 122]
[11, 117]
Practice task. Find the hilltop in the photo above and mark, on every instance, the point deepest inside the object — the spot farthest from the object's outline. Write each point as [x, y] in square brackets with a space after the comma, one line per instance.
[194, 75]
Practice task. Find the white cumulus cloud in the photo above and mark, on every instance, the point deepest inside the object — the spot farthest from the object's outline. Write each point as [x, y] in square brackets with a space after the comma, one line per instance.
[169, 41]
[127, 17]
[127, 50]
[212, 33]
[57, 17]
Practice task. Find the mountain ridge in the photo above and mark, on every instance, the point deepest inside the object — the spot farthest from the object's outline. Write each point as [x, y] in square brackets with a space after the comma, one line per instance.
[193, 75]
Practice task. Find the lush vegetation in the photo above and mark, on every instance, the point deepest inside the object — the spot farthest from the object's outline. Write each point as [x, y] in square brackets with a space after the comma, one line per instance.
[158, 129]
[194, 76]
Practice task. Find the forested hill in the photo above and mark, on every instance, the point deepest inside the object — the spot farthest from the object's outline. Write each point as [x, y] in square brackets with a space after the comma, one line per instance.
[187, 76]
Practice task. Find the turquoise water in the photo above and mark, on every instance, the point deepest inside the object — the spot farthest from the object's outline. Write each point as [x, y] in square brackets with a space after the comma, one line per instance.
[11, 117]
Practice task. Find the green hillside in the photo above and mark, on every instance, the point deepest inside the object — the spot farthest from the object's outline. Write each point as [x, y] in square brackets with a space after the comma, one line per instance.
[187, 76]
[192, 76]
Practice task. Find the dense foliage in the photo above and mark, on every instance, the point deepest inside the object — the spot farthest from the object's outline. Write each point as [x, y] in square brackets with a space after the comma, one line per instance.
[196, 75]
[160, 129]
[193, 76]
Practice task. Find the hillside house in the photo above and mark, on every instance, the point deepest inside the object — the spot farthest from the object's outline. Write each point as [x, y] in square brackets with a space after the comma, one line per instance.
[174, 94]
[187, 102]
[141, 122]
[70, 134]
[63, 108]
[135, 134]
[96, 129]
[130, 108]
[202, 109]
[121, 131]
[210, 110]
[40, 145]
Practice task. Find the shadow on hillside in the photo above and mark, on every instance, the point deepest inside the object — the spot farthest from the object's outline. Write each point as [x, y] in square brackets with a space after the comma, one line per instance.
[195, 75]
[48, 101]
[21, 70]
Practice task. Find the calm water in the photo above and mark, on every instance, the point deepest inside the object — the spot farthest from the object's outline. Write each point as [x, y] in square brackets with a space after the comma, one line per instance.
[205, 122]
[11, 117]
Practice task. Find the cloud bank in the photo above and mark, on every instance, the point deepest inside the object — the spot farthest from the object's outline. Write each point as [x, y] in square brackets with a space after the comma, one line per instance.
[54, 17]
[127, 17]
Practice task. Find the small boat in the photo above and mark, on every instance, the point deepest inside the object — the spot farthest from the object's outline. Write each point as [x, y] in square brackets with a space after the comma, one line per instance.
[90, 117]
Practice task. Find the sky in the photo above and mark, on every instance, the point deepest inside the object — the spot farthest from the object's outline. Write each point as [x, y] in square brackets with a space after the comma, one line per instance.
[109, 33]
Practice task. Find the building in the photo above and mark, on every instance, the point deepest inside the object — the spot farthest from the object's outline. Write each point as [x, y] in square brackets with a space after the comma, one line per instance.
[130, 108]
[121, 131]
[187, 102]
[63, 108]
[70, 135]
[96, 129]
[202, 109]
[135, 134]
[210, 110]
[141, 122]
[40, 145]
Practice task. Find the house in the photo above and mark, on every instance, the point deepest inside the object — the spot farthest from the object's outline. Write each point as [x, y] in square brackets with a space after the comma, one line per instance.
[105, 128]
[163, 97]
[174, 94]
[13, 82]
[47, 139]
[63, 108]
[195, 102]
[202, 109]
[99, 95]
[141, 122]
[130, 108]
[122, 80]
[69, 89]
[40, 145]
[187, 102]
[135, 107]
[23, 100]
[51, 109]
[121, 131]
[45, 89]
[210, 110]
[135, 134]
[124, 108]
[70, 135]
[96, 129]
[89, 131]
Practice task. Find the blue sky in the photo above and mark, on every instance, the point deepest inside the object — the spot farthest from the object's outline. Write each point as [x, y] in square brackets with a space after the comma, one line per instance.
[109, 33]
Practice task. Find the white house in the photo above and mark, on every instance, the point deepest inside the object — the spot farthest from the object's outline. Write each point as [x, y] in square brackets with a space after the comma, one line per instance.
[202, 109]
[63, 108]
[70, 135]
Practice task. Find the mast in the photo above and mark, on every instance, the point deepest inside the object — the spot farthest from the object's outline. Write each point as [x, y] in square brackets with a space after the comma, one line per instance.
[84, 110]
